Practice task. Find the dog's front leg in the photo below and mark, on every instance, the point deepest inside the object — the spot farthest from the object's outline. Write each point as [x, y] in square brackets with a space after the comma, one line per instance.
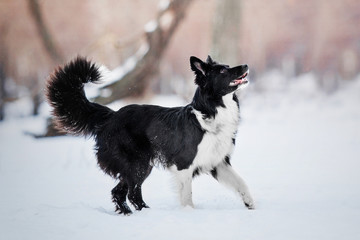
[184, 182]
[226, 175]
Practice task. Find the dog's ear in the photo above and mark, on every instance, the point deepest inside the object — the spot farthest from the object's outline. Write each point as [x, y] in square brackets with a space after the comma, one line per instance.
[198, 66]
[209, 60]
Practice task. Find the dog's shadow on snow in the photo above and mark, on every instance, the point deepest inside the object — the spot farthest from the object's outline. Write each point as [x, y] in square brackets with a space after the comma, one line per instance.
[110, 212]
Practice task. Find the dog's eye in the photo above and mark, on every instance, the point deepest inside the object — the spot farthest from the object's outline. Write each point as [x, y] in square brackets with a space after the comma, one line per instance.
[223, 70]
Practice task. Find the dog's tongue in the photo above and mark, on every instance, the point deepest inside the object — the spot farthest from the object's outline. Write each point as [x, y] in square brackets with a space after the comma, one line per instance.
[241, 81]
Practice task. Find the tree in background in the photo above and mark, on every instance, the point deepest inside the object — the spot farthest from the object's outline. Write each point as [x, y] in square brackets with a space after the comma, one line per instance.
[158, 35]
[226, 31]
[44, 33]
[51, 49]
[283, 35]
[3, 69]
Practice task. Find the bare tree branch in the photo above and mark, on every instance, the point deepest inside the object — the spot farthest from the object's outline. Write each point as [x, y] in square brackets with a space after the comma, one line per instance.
[158, 35]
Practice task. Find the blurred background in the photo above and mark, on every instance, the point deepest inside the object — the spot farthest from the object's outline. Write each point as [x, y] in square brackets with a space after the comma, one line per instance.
[291, 37]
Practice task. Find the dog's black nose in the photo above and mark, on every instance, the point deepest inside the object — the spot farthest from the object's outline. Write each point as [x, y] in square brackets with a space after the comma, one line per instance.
[245, 66]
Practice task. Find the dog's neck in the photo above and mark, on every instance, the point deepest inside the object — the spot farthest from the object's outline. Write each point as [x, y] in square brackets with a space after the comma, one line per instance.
[208, 104]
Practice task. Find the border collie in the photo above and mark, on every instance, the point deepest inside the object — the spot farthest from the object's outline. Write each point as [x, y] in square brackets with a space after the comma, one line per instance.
[189, 140]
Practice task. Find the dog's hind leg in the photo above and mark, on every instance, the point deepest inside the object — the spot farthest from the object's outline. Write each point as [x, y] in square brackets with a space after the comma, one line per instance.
[119, 197]
[226, 175]
[135, 197]
[135, 194]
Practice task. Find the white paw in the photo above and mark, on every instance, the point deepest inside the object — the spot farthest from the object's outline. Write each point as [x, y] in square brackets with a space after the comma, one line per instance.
[248, 201]
[188, 204]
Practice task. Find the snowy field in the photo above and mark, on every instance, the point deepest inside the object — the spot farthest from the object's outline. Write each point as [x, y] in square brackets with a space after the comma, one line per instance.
[298, 149]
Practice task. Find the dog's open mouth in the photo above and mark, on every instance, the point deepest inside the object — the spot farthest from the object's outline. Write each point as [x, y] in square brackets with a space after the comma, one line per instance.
[240, 80]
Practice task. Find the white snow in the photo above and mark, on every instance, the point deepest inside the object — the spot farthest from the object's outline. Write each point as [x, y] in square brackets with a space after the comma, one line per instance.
[151, 26]
[164, 4]
[19, 108]
[297, 149]
[109, 77]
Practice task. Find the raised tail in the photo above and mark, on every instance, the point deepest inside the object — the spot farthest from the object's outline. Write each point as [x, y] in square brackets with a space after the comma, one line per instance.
[72, 111]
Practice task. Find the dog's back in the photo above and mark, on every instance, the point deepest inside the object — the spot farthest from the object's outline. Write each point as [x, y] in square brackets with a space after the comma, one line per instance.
[146, 134]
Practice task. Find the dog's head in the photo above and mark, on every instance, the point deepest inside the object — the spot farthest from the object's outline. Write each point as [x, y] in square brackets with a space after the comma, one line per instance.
[218, 79]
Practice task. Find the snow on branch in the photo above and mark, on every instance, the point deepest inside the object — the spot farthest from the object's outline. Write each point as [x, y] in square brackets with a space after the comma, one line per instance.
[132, 81]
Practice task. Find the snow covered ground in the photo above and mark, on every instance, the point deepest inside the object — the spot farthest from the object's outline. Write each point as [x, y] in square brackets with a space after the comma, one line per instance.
[298, 150]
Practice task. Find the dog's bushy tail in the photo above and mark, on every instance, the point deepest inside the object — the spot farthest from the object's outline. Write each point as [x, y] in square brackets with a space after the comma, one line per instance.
[72, 111]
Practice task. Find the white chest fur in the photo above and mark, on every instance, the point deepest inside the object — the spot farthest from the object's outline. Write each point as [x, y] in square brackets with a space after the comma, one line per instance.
[218, 138]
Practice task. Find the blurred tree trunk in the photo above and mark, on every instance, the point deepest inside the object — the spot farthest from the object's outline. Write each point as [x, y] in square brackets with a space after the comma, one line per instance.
[44, 33]
[226, 32]
[158, 34]
[2, 90]
[54, 54]
[49, 45]
[2, 85]
[3, 69]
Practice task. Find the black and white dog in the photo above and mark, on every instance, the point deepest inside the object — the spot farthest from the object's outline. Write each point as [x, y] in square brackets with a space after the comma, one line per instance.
[197, 138]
